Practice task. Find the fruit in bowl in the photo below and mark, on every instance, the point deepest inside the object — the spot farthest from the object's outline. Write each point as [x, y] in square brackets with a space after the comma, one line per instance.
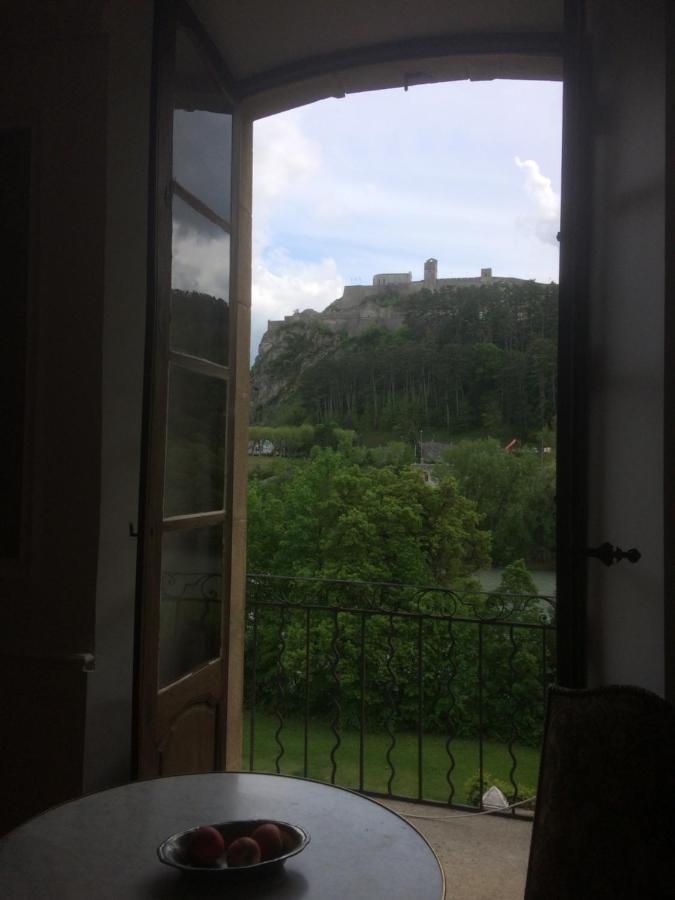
[268, 838]
[206, 846]
[244, 851]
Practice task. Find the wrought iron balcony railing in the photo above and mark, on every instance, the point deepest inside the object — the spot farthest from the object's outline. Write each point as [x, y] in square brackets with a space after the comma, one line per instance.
[412, 693]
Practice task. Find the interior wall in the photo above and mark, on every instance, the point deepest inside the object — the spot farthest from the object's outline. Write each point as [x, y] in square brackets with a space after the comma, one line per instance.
[55, 81]
[626, 365]
[110, 686]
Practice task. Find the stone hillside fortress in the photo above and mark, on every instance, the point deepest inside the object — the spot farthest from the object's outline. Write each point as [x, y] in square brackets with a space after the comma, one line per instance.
[357, 310]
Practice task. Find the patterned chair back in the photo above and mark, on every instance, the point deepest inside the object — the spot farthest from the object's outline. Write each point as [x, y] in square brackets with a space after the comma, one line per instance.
[604, 822]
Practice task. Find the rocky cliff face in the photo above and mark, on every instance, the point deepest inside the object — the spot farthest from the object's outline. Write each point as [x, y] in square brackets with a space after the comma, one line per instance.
[358, 309]
[289, 346]
[286, 350]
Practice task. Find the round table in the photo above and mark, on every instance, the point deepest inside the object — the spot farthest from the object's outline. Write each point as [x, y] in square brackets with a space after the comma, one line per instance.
[104, 845]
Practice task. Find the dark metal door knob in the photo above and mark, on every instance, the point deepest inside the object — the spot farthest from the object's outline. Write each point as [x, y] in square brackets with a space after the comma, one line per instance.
[608, 554]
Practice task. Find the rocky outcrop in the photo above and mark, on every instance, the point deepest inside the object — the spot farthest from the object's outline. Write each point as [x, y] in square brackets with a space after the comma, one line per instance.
[286, 350]
[295, 342]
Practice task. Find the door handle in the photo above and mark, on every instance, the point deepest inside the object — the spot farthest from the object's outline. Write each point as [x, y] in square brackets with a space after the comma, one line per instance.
[608, 554]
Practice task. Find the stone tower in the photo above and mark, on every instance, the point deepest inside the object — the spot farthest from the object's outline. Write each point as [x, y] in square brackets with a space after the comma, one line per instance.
[430, 274]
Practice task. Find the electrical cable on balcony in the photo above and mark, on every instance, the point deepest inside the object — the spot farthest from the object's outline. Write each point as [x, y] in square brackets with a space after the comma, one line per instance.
[471, 815]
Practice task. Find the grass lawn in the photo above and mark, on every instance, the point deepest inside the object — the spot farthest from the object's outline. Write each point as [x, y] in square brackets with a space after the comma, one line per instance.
[404, 757]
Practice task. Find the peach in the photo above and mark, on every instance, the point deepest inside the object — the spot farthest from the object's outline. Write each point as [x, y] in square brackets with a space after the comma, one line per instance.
[268, 838]
[206, 845]
[243, 852]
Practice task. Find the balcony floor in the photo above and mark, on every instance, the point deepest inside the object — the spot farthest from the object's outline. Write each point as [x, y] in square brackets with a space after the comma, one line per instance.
[483, 857]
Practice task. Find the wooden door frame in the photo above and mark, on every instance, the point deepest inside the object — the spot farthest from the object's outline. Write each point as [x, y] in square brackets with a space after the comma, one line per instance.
[572, 328]
[572, 430]
[233, 620]
[572, 414]
[159, 237]
[220, 681]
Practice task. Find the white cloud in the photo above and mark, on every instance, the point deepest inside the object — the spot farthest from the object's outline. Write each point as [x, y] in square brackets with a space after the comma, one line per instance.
[200, 263]
[282, 284]
[284, 161]
[287, 165]
[545, 223]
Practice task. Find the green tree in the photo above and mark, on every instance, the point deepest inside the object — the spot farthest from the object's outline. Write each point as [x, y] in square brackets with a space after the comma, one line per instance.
[331, 517]
[515, 494]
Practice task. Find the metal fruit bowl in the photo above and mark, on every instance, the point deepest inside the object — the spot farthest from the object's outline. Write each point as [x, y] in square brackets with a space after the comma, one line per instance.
[174, 851]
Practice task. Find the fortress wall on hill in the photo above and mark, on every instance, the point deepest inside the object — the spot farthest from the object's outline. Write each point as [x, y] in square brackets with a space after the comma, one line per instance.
[353, 312]
[354, 294]
[353, 321]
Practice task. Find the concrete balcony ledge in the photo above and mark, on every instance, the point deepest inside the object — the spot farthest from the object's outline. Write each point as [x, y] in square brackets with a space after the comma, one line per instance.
[484, 857]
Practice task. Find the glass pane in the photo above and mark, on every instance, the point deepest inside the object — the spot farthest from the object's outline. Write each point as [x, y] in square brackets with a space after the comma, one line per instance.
[190, 601]
[195, 451]
[200, 281]
[202, 131]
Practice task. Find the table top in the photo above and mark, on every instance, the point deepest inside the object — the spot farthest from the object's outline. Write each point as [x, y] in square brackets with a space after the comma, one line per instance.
[104, 845]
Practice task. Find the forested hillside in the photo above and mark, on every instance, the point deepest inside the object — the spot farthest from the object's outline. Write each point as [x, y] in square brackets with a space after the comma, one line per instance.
[478, 360]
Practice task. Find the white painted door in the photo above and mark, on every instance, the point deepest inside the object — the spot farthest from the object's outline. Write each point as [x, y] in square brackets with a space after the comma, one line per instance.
[612, 400]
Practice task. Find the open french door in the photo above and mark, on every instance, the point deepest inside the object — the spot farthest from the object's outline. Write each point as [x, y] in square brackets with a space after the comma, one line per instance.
[191, 571]
[611, 405]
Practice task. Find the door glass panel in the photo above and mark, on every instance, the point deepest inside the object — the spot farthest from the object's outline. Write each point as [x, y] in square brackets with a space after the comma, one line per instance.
[190, 602]
[197, 227]
[200, 281]
[199, 325]
[202, 131]
[195, 452]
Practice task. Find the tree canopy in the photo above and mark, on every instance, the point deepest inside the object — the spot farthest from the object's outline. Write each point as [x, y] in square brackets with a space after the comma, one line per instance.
[514, 493]
[332, 517]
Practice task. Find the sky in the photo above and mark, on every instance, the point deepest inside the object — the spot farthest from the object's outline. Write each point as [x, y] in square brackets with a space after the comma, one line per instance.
[466, 172]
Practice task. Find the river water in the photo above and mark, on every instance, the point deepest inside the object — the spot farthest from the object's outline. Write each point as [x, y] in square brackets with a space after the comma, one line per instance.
[543, 578]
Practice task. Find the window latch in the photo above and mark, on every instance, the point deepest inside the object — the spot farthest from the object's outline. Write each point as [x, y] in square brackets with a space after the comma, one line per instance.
[608, 554]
